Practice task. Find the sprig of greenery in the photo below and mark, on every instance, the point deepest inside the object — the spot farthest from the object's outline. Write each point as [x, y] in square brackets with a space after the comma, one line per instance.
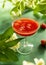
[5, 35]
[21, 6]
[6, 53]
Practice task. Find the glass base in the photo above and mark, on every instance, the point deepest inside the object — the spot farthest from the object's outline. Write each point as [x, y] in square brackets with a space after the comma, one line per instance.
[26, 49]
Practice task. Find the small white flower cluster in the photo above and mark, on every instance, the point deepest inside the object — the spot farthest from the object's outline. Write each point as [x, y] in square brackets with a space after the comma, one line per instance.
[13, 37]
[27, 63]
[37, 62]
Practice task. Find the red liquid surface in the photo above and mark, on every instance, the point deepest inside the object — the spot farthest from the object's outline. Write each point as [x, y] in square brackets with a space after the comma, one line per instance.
[25, 26]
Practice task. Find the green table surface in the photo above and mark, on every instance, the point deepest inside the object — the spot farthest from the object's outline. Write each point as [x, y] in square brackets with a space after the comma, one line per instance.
[39, 51]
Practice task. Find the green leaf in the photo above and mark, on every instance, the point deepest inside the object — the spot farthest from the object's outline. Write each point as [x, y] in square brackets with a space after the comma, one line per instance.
[10, 54]
[2, 43]
[37, 15]
[7, 34]
[0, 36]
[15, 9]
[44, 1]
[7, 54]
[10, 0]
[4, 3]
[22, 6]
[41, 8]
[27, 10]
[3, 57]
[13, 43]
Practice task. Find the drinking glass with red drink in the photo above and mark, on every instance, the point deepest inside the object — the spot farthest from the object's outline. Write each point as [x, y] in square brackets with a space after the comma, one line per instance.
[25, 27]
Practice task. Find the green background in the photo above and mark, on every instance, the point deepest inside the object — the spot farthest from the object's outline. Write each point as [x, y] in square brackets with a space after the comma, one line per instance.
[39, 51]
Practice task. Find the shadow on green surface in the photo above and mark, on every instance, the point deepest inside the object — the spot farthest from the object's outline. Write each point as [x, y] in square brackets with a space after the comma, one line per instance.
[41, 30]
[41, 49]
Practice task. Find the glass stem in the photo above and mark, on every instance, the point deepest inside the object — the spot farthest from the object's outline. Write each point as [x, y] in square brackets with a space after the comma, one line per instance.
[25, 42]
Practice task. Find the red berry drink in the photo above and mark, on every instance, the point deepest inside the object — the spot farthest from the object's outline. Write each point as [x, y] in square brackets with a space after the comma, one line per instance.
[25, 27]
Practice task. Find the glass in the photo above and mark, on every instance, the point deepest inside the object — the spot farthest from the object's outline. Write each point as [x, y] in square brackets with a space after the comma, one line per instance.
[25, 47]
[25, 27]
